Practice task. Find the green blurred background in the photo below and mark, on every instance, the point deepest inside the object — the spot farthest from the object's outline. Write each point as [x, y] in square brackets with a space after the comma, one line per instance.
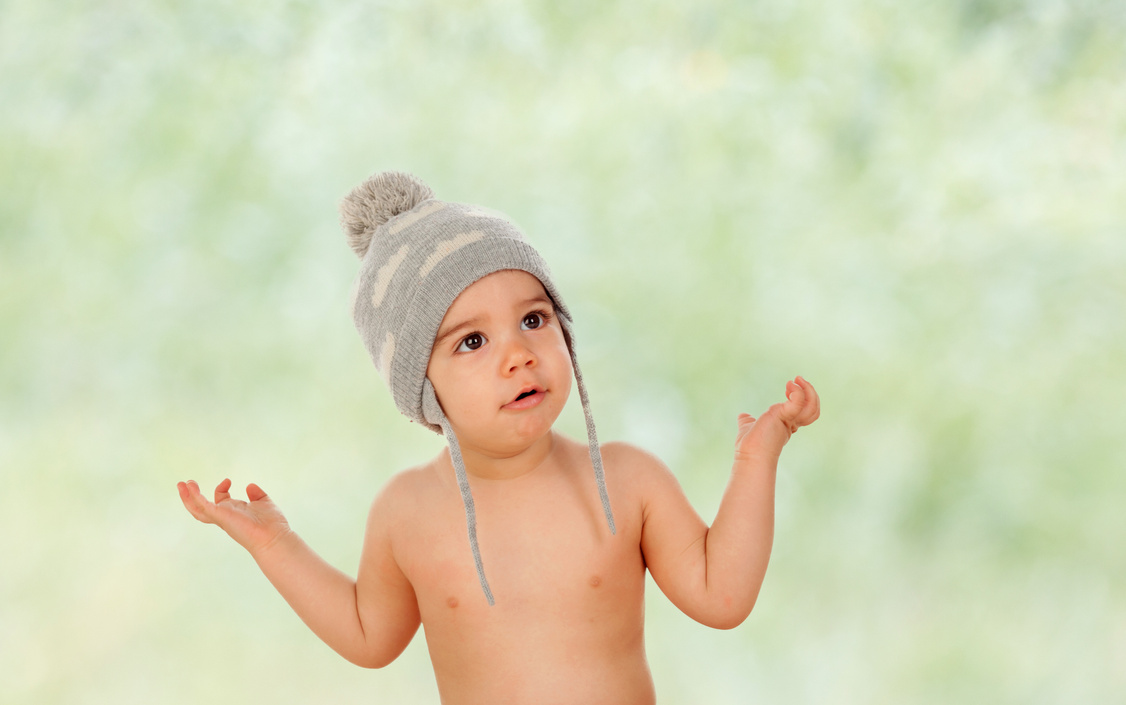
[918, 206]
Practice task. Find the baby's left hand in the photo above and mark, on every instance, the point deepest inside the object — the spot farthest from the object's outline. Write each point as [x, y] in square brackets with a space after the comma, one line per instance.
[767, 434]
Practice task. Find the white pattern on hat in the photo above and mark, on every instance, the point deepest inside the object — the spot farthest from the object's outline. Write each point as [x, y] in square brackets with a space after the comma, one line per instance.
[385, 355]
[446, 248]
[412, 217]
[383, 276]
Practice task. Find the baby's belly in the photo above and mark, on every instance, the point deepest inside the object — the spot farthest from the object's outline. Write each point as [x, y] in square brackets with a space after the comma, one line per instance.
[550, 660]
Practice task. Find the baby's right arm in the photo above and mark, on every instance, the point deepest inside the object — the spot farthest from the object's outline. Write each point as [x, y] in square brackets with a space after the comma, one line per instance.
[368, 621]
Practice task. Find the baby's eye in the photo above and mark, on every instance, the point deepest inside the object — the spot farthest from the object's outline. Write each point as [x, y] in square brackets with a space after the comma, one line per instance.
[470, 343]
[534, 320]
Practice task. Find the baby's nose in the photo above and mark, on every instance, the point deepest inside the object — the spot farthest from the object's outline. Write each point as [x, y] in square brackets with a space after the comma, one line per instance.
[519, 355]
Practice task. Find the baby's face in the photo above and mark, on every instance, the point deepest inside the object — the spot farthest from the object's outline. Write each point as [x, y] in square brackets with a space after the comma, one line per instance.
[500, 338]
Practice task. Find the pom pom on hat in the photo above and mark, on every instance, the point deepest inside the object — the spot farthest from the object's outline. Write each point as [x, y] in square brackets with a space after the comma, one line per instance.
[379, 199]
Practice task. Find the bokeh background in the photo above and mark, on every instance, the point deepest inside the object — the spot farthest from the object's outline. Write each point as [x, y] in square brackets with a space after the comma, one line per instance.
[918, 206]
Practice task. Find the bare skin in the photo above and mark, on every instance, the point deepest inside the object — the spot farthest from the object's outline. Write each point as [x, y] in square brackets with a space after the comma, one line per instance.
[568, 624]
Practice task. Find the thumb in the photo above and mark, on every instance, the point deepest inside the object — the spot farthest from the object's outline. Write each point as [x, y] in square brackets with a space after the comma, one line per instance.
[255, 493]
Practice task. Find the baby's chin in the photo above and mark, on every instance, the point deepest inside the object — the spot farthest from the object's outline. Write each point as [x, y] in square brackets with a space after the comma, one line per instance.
[505, 438]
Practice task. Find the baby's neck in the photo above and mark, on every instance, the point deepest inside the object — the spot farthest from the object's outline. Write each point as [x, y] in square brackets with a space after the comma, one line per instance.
[488, 468]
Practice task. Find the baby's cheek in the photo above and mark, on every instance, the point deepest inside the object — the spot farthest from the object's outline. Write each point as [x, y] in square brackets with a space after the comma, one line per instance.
[450, 390]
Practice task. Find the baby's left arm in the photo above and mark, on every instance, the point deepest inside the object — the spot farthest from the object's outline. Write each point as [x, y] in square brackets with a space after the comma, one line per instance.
[714, 574]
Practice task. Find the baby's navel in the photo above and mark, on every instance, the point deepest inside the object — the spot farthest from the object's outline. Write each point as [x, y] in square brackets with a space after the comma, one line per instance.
[595, 581]
[452, 602]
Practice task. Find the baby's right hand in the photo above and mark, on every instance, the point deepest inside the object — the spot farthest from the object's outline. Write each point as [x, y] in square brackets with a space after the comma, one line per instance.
[255, 525]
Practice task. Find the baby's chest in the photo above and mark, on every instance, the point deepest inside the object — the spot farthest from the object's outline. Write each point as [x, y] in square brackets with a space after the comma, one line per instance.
[552, 548]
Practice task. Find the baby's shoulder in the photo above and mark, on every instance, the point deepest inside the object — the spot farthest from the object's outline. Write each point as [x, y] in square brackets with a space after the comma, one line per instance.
[632, 464]
[643, 476]
[404, 491]
[628, 454]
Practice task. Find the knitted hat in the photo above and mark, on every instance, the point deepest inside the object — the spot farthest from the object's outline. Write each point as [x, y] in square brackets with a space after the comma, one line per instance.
[417, 255]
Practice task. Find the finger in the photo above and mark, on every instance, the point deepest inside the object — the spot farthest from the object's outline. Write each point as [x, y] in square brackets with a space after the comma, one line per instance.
[795, 400]
[816, 410]
[804, 383]
[223, 491]
[182, 488]
[188, 490]
[812, 409]
[194, 502]
[745, 423]
[792, 386]
[254, 493]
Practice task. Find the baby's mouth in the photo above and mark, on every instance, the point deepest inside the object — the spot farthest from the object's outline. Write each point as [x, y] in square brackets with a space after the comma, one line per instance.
[525, 394]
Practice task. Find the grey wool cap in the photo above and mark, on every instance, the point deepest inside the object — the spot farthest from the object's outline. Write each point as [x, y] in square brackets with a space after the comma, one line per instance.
[417, 255]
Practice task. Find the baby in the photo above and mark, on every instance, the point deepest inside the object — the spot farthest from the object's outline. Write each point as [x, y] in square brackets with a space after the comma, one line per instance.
[462, 318]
